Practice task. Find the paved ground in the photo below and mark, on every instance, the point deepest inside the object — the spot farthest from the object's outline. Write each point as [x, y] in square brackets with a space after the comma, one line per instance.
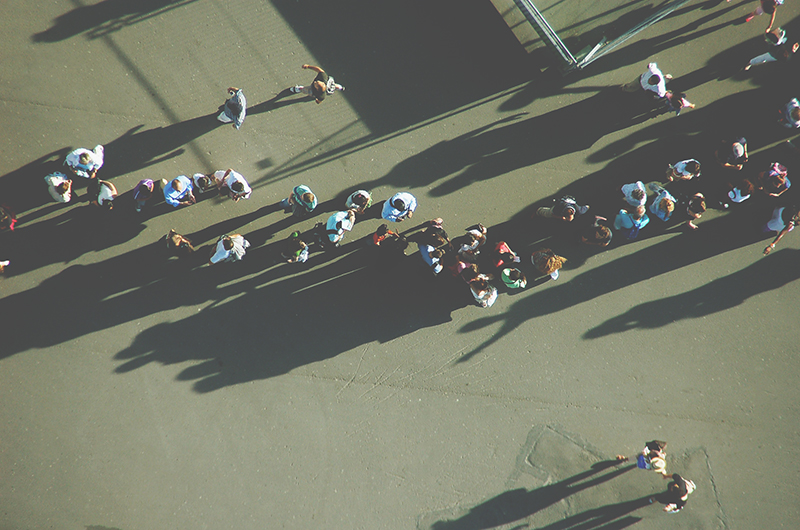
[142, 392]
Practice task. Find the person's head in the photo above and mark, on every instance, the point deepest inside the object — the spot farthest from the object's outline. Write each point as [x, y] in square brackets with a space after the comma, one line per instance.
[638, 212]
[381, 231]
[480, 284]
[738, 150]
[697, 205]
[177, 185]
[237, 187]
[795, 114]
[294, 247]
[319, 86]
[777, 179]
[85, 158]
[399, 204]
[654, 80]
[437, 253]
[63, 188]
[666, 205]
[358, 199]
[144, 192]
[638, 194]
[307, 197]
[436, 241]
[227, 243]
[516, 274]
[693, 167]
[469, 273]
[745, 187]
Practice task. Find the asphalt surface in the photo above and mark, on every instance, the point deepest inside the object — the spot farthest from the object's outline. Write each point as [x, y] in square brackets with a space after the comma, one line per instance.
[141, 391]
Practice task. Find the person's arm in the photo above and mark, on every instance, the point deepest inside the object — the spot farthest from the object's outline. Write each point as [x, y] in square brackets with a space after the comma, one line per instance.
[312, 67]
[778, 238]
[772, 20]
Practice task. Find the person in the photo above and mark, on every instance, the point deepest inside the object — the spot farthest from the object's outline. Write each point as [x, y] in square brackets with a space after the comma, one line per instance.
[676, 101]
[732, 154]
[391, 242]
[322, 85]
[739, 192]
[485, 294]
[179, 192]
[338, 224]
[513, 278]
[203, 183]
[359, 201]
[7, 218]
[177, 244]
[229, 248]
[664, 203]
[102, 193]
[301, 201]
[790, 114]
[774, 182]
[234, 186]
[469, 245]
[783, 221]
[3, 265]
[595, 233]
[235, 108]
[652, 458]
[59, 186]
[296, 250]
[142, 193]
[547, 262]
[652, 80]
[630, 222]
[565, 208]
[503, 256]
[684, 170]
[695, 207]
[769, 7]
[678, 492]
[634, 193]
[432, 257]
[400, 207]
[779, 50]
[84, 163]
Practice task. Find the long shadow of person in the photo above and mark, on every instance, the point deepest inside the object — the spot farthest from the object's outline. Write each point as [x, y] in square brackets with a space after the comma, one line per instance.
[520, 503]
[724, 293]
[105, 17]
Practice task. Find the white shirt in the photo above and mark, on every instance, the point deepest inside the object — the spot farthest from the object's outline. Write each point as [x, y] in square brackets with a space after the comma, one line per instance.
[53, 181]
[234, 254]
[338, 222]
[390, 213]
[659, 88]
[107, 192]
[236, 177]
[85, 170]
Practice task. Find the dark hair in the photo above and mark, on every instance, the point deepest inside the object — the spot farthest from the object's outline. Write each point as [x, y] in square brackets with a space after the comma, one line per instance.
[399, 204]
[693, 166]
[436, 253]
[516, 274]
[237, 186]
[62, 188]
[382, 230]
[360, 199]
[638, 194]
[470, 273]
[227, 243]
[697, 205]
[745, 187]
[654, 79]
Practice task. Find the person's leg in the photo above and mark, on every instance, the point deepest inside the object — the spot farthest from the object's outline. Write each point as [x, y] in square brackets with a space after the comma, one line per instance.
[761, 59]
[99, 152]
[224, 117]
[633, 86]
[545, 211]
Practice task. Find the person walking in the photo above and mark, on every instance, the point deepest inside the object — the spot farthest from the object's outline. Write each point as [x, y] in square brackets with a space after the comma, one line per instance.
[229, 248]
[400, 207]
[84, 163]
[302, 201]
[235, 108]
[179, 192]
[59, 186]
[322, 85]
[652, 80]
[234, 186]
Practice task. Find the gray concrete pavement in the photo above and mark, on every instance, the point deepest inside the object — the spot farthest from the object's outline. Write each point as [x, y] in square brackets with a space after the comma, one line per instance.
[142, 392]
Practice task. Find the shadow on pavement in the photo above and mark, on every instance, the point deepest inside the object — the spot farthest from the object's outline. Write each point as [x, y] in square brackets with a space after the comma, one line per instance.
[104, 18]
[520, 503]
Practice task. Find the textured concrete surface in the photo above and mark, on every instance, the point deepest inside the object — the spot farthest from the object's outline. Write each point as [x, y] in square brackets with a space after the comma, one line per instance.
[145, 392]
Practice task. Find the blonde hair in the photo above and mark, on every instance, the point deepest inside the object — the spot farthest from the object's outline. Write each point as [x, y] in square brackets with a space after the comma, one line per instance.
[666, 205]
[546, 261]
